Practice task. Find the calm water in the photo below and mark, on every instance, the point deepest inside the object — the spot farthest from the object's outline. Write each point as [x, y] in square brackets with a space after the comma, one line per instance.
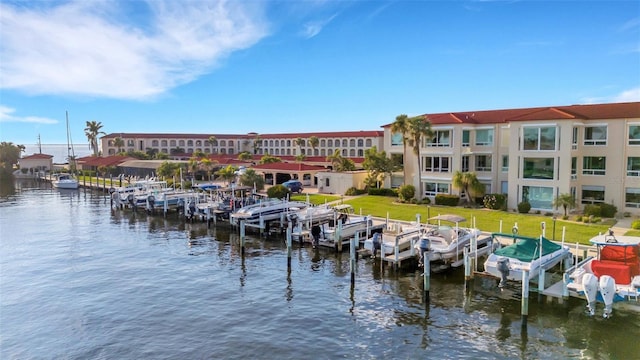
[80, 282]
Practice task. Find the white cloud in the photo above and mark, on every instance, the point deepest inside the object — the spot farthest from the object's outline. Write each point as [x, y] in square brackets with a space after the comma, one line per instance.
[6, 115]
[628, 95]
[87, 47]
[313, 28]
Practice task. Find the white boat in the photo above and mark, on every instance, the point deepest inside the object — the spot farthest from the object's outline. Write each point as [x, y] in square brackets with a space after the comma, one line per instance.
[267, 210]
[525, 254]
[446, 242]
[65, 181]
[396, 238]
[612, 276]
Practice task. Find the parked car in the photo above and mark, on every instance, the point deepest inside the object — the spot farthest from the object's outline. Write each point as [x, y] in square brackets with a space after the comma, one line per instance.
[294, 185]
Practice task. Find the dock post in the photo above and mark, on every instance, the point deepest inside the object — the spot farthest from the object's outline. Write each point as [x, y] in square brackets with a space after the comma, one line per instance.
[338, 233]
[500, 231]
[352, 258]
[427, 275]
[261, 225]
[467, 264]
[524, 309]
[242, 229]
[541, 283]
[396, 254]
[289, 246]
[418, 218]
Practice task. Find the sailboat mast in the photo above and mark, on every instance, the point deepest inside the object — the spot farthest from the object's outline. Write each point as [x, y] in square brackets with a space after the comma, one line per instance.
[70, 153]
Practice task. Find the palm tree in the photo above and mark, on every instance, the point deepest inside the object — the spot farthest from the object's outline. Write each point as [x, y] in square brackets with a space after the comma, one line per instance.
[92, 131]
[228, 173]
[314, 142]
[566, 201]
[301, 157]
[419, 127]
[245, 156]
[335, 159]
[401, 126]
[257, 144]
[213, 142]
[469, 183]
[299, 141]
[119, 143]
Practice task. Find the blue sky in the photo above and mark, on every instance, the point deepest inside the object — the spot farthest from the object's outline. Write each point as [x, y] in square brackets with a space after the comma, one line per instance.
[301, 66]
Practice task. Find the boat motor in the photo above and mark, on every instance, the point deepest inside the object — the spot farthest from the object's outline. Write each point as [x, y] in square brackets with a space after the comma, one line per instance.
[377, 244]
[590, 285]
[608, 291]
[424, 247]
[503, 268]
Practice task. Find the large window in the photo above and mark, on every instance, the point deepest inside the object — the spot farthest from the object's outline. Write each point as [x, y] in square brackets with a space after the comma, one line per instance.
[539, 138]
[396, 139]
[592, 194]
[594, 165]
[595, 135]
[436, 163]
[634, 134]
[539, 197]
[574, 138]
[505, 163]
[434, 188]
[538, 168]
[464, 167]
[465, 137]
[632, 197]
[633, 166]
[484, 137]
[483, 162]
[574, 168]
[441, 138]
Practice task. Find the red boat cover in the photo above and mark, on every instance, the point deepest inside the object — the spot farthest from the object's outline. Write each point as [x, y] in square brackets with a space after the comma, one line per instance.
[620, 262]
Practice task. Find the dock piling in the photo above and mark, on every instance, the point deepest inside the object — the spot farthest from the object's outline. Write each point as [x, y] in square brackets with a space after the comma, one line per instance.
[524, 309]
[242, 232]
[427, 275]
[352, 257]
[289, 228]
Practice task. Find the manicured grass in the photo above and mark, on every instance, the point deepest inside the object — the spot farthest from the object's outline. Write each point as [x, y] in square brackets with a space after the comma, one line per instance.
[315, 199]
[485, 220]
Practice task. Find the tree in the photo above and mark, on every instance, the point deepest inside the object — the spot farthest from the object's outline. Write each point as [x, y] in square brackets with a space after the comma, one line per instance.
[378, 165]
[227, 173]
[9, 156]
[207, 165]
[168, 169]
[566, 201]
[257, 144]
[301, 157]
[278, 191]
[92, 130]
[468, 183]
[118, 142]
[245, 156]
[252, 178]
[177, 150]
[268, 159]
[419, 128]
[401, 126]
[339, 163]
[214, 143]
[300, 142]
[314, 142]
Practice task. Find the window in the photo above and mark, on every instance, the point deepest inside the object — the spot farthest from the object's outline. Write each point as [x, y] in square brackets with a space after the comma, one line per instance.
[360, 153]
[436, 164]
[540, 197]
[155, 143]
[326, 182]
[172, 143]
[633, 166]
[574, 168]
[397, 159]
[230, 143]
[360, 143]
[163, 143]
[396, 139]
[440, 138]
[189, 142]
[368, 143]
[592, 194]
[352, 152]
[632, 197]
[464, 167]
[344, 143]
[465, 137]
[538, 168]
[288, 142]
[595, 135]
[594, 165]
[323, 143]
[130, 143]
[484, 137]
[504, 187]
[352, 143]
[505, 163]
[634, 134]
[277, 143]
[539, 138]
[483, 162]
[330, 143]
[574, 138]
[198, 142]
[434, 188]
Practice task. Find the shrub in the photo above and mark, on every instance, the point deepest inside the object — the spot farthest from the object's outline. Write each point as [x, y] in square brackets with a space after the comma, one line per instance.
[278, 191]
[635, 224]
[592, 209]
[565, 217]
[596, 219]
[608, 210]
[494, 201]
[406, 192]
[425, 201]
[383, 192]
[352, 191]
[447, 200]
[524, 207]
[579, 218]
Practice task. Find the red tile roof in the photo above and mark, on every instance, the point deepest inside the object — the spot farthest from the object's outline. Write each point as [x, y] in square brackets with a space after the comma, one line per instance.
[361, 133]
[582, 112]
[37, 157]
[97, 161]
[288, 167]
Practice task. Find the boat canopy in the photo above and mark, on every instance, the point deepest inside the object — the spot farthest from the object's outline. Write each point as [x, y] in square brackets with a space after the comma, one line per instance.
[526, 249]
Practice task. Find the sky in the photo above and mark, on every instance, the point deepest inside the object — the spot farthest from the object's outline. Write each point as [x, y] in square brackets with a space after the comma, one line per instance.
[233, 67]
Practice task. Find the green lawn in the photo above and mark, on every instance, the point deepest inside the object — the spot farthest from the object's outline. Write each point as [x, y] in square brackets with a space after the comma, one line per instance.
[486, 220]
[315, 199]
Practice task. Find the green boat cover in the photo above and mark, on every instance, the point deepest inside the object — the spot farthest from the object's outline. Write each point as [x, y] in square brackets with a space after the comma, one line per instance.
[526, 249]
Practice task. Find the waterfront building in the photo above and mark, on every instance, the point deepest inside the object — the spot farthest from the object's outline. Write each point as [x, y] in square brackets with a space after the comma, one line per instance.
[532, 154]
[34, 164]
